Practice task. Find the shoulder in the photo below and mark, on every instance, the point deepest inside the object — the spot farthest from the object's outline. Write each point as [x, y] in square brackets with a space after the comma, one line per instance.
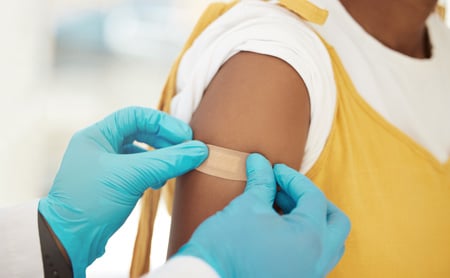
[255, 103]
[265, 34]
[262, 25]
[260, 20]
[254, 26]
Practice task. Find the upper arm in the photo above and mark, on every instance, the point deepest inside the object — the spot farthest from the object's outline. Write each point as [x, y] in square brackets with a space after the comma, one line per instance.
[255, 103]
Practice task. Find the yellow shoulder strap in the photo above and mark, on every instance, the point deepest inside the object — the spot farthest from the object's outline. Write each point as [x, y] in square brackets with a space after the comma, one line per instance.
[306, 10]
[441, 11]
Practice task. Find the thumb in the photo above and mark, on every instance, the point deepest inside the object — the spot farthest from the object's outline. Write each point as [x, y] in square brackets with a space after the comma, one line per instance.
[152, 169]
[260, 179]
[309, 199]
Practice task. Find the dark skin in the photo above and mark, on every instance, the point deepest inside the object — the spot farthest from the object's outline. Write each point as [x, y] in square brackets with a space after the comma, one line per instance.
[250, 106]
[258, 103]
[399, 25]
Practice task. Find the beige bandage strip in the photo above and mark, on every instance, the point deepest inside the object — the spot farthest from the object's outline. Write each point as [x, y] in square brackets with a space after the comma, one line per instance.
[225, 163]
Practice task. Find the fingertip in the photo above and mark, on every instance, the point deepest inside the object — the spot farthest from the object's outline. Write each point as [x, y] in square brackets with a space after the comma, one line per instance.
[166, 163]
[283, 168]
[153, 127]
[255, 156]
[298, 186]
[258, 168]
[285, 174]
[197, 150]
[281, 172]
[173, 128]
[279, 166]
[202, 148]
[260, 179]
[256, 160]
[160, 124]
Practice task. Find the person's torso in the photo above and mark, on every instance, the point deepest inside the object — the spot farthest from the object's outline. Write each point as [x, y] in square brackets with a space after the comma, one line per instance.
[395, 192]
[412, 94]
[385, 160]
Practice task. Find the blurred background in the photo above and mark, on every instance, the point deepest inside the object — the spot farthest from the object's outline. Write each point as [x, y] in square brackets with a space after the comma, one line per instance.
[68, 63]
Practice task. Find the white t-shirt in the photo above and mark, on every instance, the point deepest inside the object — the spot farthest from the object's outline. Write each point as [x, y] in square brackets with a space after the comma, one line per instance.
[412, 94]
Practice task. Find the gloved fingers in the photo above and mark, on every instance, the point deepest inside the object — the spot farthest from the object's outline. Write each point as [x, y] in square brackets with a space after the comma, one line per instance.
[131, 149]
[157, 142]
[145, 125]
[284, 202]
[260, 179]
[154, 168]
[310, 201]
[339, 224]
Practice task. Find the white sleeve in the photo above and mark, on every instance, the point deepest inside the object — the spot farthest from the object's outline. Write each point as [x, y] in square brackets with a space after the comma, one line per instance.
[19, 241]
[184, 266]
[265, 28]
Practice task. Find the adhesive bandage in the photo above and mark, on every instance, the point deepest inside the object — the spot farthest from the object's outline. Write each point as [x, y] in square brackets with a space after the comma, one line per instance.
[225, 163]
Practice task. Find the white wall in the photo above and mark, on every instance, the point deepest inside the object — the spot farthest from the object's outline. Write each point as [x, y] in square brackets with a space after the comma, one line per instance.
[25, 50]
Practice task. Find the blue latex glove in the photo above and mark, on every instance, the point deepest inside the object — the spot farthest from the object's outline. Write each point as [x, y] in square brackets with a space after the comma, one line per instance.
[249, 239]
[100, 181]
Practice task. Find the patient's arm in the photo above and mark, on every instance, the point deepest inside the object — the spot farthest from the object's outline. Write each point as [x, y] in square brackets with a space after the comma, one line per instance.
[255, 103]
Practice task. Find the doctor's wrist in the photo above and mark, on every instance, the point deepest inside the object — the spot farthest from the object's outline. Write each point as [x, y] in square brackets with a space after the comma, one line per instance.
[55, 260]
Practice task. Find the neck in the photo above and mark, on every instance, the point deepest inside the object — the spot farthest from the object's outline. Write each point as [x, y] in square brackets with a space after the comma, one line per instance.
[398, 24]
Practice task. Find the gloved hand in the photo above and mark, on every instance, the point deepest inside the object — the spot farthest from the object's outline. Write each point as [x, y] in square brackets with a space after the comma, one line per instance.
[249, 239]
[102, 177]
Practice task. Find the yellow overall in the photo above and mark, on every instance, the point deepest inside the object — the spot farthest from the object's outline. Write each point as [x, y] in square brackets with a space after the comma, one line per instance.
[396, 193]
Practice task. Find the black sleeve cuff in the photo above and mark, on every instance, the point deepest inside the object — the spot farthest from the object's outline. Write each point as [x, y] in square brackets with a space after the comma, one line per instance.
[55, 265]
